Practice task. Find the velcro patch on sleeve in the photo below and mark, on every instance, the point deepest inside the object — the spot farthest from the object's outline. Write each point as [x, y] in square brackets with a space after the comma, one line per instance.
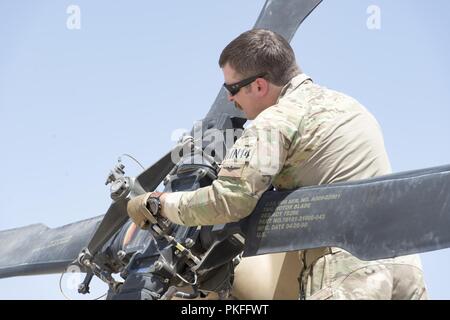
[239, 154]
[237, 157]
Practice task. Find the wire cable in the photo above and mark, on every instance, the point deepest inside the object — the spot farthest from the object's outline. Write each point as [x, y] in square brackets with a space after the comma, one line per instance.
[132, 158]
[68, 298]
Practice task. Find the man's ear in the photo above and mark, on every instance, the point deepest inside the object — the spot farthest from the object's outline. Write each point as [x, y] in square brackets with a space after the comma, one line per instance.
[262, 85]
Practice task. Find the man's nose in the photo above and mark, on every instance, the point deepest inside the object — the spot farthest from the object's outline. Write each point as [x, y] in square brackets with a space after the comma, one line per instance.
[230, 97]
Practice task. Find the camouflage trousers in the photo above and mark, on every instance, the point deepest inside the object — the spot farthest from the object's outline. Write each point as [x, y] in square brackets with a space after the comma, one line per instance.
[341, 276]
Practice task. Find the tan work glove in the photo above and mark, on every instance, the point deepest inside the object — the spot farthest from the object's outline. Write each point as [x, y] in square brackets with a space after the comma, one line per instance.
[138, 211]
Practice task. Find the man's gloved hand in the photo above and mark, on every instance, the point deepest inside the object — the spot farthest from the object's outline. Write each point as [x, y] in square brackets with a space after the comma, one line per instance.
[143, 209]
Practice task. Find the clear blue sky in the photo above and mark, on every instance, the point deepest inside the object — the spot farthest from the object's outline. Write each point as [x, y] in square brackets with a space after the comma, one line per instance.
[72, 101]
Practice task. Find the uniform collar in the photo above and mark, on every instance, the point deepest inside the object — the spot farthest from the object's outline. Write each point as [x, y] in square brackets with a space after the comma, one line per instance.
[295, 82]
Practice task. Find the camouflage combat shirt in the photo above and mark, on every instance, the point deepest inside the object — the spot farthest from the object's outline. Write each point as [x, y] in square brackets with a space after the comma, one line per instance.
[311, 136]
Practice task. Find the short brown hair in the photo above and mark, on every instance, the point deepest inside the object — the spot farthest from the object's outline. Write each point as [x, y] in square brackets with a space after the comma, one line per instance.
[259, 50]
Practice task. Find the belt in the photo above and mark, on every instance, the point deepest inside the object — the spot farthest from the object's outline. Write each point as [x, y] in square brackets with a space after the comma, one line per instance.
[310, 256]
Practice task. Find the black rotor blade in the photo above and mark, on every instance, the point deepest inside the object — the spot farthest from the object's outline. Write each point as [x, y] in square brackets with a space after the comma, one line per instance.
[377, 218]
[285, 16]
[114, 219]
[37, 249]
[281, 16]
[150, 178]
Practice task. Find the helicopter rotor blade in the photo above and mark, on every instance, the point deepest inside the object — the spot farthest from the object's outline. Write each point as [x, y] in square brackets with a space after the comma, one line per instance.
[284, 17]
[150, 178]
[49, 250]
[37, 249]
[113, 220]
[384, 217]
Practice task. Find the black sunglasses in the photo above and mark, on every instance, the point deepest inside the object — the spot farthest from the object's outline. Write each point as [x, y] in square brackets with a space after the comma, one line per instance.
[234, 88]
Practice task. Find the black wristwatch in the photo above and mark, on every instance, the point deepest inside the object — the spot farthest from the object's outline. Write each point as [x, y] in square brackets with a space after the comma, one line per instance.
[154, 204]
[162, 225]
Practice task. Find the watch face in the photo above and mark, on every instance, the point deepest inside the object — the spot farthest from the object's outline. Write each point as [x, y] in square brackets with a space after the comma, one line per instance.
[153, 205]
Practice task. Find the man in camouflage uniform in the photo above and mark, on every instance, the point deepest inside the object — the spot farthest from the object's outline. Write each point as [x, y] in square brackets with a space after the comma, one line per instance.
[302, 134]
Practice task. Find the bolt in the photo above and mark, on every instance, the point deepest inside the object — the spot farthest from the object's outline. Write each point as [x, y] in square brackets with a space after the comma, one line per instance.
[121, 254]
[189, 243]
[158, 265]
